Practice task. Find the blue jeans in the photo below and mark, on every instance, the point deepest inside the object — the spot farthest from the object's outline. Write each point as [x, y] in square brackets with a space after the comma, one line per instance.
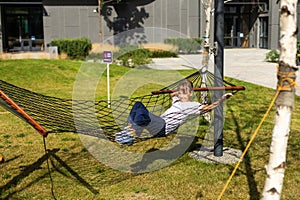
[141, 119]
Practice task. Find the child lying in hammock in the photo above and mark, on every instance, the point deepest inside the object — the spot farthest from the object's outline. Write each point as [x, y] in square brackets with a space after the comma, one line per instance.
[181, 110]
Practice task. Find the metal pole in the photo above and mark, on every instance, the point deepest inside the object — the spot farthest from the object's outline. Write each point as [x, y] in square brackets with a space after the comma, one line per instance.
[219, 75]
[108, 85]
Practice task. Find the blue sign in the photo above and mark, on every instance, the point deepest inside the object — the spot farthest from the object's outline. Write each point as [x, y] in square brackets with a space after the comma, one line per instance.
[107, 56]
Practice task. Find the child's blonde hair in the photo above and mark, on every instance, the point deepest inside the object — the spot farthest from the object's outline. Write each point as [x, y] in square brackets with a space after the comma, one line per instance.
[185, 90]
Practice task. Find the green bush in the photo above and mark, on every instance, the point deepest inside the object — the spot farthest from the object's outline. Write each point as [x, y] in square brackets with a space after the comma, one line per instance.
[75, 48]
[199, 40]
[272, 56]
[185, 45]
[163, 54]
[132, 56]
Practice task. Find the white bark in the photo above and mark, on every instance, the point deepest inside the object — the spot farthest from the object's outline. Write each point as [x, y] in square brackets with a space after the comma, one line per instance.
[100, 22]
[207, 4]
[276, 167]
[288, 32]
[284, 105]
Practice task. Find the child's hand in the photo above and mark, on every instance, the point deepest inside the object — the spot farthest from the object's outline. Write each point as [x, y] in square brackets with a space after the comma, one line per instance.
[174, 94]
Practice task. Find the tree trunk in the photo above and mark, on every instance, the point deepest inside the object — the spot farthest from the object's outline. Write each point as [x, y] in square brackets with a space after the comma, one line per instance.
[206, 45]
[206, 36]
[100, 22]
[285, 101]
[207, 5]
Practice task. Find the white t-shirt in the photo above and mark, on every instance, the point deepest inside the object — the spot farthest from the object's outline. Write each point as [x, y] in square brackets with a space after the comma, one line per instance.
[179, 112]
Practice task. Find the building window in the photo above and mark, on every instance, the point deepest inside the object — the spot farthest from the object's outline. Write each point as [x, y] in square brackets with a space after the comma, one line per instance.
[22, 27]
[263, 32]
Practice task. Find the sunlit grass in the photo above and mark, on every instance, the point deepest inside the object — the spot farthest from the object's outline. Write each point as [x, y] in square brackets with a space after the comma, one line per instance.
[77, 174]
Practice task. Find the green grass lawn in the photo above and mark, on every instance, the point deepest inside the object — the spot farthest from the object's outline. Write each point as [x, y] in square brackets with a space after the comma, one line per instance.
[76, 174]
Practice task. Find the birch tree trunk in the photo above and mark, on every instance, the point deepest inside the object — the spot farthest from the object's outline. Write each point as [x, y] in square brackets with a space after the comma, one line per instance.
[207, 6]
[100, 22]
[285, 101]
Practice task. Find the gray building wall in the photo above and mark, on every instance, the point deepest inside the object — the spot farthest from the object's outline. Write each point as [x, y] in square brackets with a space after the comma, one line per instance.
[273, 25]
[70, 22]
[1, 46]
[298, 21]
[76, 18]
[65, 19]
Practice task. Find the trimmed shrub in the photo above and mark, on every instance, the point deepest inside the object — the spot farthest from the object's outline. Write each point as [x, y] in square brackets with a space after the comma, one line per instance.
[163, 54]
[160, 47]
[272, 56]
[132, 56]
[185, 45]
[75, 48]
[199, 40]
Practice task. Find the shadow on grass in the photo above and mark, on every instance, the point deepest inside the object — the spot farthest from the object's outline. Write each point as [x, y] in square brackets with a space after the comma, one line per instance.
[27, 170]
[169, 155]
[12, 159]
[253, 190]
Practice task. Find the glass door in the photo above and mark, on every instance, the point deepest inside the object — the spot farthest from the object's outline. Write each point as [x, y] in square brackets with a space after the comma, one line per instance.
[23, 28]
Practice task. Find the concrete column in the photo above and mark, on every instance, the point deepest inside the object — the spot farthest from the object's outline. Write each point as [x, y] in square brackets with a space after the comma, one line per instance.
[273, 40]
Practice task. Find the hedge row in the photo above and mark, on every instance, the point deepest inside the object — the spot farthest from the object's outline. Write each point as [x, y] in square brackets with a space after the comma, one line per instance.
[185, 45]
[133, 56]
[77, 48]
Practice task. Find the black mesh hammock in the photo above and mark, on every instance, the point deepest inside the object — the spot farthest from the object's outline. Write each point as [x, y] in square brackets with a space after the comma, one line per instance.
[55, 115]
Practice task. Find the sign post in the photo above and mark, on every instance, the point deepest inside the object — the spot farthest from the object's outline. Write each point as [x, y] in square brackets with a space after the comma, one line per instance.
[108, 58]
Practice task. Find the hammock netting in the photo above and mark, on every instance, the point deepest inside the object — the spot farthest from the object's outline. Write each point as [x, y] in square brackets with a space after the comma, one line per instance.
[56, 115]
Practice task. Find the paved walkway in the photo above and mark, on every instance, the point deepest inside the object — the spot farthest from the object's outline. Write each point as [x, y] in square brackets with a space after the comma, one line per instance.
[243, 64]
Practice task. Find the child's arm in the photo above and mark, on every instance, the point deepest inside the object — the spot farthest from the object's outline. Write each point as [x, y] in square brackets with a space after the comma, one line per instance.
[216, 103]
